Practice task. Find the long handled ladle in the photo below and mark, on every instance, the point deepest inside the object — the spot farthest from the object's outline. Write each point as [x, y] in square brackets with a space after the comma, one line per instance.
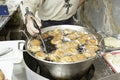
[43, 43]
[36, 26]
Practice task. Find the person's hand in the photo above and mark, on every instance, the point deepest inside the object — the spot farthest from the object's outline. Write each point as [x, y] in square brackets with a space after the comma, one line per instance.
[30, 26]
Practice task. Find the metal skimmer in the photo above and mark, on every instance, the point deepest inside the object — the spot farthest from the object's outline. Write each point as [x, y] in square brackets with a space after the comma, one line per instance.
[43, 43]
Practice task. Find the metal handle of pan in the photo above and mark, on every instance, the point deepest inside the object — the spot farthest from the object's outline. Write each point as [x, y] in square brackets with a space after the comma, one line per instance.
[23, 31]
[19, 46]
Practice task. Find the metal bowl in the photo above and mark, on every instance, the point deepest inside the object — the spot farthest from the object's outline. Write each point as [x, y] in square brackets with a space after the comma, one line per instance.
[64, 70]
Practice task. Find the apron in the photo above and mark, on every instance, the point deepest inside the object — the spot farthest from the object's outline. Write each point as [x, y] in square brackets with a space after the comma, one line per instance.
[47, 23]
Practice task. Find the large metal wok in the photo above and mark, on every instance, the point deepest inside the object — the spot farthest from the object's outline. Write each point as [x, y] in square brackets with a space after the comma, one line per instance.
[64, 70]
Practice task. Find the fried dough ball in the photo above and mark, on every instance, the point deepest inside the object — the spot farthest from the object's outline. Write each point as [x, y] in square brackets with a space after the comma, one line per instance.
[45, 35]
[55, 32]
[66, 59]
[91, 48]
[58, 32]
[71, 51]
[80, 41]
[72, 36]
[40, 55]
[57, 37]
[35, 42]
[88, 55]
[35, 48]
[51, 33]
[87, 37]
[92, 42]
[60, 46]
[2, 77]
[80, 33]
[71, 44]
[54, 41]
[68, 31]
[54, 58]
[93, 54]
[75, 58]
[81, 57]
[59, 52]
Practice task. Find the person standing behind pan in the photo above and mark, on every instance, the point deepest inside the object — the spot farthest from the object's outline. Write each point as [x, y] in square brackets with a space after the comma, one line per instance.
[50, 12]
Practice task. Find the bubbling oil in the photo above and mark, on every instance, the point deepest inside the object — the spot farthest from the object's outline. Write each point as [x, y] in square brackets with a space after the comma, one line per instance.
[49, 46]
